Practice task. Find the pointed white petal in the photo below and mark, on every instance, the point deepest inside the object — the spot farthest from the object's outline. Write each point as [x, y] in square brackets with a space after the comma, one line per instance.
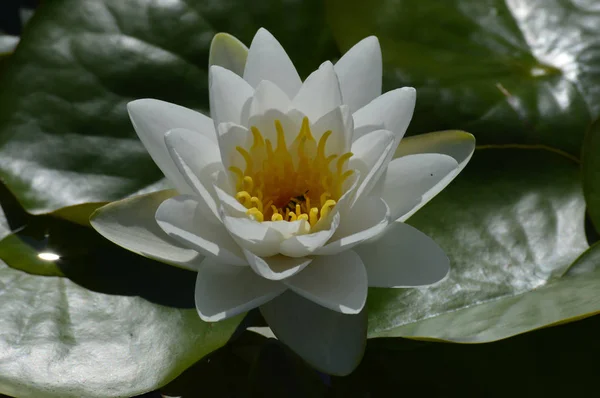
[413, 180]
[153, 118]
[231, 136]
[229, 96]
[339, 121]
[265, 123]
[276, 267]
[304, 245]
[372, 153]
[130, 223]
[320, 93]
[223, 290]
[228, 52]
[267, 60]
[335, 282]
[266, 97]
[360, 73]
[229, 205]
[329, 341]
[197, 159]
[391, 111]
[458, 144]
[182, 220]
[254, 236]
[403, 257]
[367, 219]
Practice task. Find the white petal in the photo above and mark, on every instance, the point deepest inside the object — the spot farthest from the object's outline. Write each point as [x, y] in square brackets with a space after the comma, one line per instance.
[229, 204]
[197, 159]
[335, 282]
[231, 136]
[329, 341]
[267, 60]
[372, 154]
[340, 122]
[181, 219]
[413, 180]
[229, 96]
[320, 93]
[368, 218]
[458, 144]
[391, 111]
[223, 291]
[304, 245]
[276, 267]
[265, 123]
[254, 236]
[228, 52]
[153, 118]
[266, 97]
[130, 223]
[403, 257]
[360, 73]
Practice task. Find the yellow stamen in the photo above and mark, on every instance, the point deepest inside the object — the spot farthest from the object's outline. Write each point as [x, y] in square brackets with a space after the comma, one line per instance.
[290, 183]
[243, 197]
[256, 214]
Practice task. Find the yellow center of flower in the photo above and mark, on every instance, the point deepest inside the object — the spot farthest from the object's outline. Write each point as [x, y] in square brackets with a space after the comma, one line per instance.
[299, 182]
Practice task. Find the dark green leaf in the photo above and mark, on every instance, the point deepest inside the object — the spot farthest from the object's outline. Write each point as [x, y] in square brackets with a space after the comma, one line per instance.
[60, 340]
[518, 71]
[65, 137]
[591, 173]
[512, 225]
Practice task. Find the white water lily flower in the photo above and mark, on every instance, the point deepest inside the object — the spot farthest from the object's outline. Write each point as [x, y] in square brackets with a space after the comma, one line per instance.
[282, 197]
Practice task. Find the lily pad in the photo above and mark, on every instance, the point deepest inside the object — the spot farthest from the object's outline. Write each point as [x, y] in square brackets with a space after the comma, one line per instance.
[512, 225]
[65, 136]
[591, 173]
[61, 340]
[507, 71]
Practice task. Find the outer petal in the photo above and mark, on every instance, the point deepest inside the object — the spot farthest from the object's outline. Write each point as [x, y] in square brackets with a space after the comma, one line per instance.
[197, 159]
[267, 60]
[130, 223]
[228, 52]
[320, 93]
[181, 219]
[329, 341]
[413, 180]
[276, 267]
[391, 111]
[229, 96]
[455, 143]
[153, 118]
[372, 154]
[360, 73]
[223, 291]
[367, 219]
[335, 282]
[403, 257]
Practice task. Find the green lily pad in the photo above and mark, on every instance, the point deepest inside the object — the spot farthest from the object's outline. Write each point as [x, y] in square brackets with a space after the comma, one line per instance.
[509, 72]
[512, 226]
[59, 339]
[65, 136]
[591, 173]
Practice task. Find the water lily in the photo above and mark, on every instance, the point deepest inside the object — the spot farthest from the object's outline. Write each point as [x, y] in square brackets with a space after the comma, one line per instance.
[282, 197]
